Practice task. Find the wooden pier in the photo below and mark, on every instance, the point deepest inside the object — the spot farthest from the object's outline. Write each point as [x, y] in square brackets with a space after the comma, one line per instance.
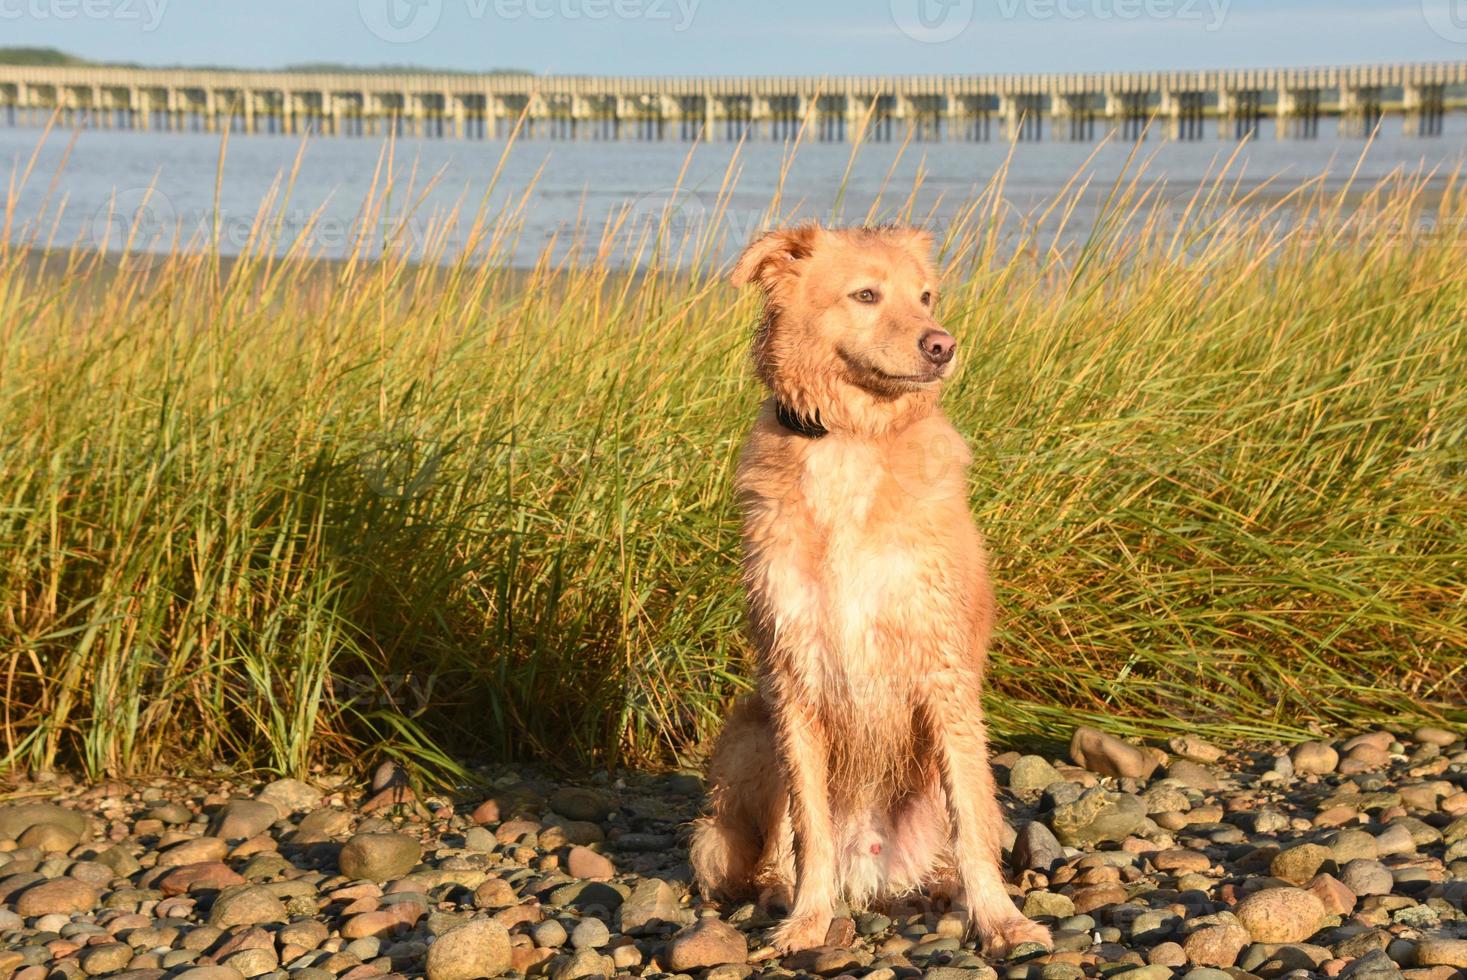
[1294, 103]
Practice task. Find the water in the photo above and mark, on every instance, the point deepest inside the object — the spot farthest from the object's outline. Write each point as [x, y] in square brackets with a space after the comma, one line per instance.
[103, 189]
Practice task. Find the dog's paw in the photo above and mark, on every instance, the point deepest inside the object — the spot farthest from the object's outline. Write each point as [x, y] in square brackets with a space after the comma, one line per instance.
[776, 899]
[800, 932]
[1014, 932]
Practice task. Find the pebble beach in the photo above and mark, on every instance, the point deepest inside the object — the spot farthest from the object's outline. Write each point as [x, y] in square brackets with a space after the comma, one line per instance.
[1182, 861]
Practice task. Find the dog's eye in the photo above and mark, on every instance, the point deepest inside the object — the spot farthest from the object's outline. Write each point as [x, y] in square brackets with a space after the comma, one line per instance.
[864, 296]
[927, 299]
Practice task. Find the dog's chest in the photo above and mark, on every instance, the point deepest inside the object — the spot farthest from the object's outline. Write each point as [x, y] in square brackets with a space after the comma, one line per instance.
[861, 557]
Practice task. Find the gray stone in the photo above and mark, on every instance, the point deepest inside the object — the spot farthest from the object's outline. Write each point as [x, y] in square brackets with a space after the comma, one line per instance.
[1375, 965]
[1098, 815]
[16, 819]
[651, 905]
[590, 934]
[239, 819]
[246, 905]
[379, 857]
[291, 796]
[1032, 772]
[1035, 847]
[581, 803]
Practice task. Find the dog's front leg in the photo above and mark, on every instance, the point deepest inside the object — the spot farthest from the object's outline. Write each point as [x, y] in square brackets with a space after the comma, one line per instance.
[956, 725]
[804, 755]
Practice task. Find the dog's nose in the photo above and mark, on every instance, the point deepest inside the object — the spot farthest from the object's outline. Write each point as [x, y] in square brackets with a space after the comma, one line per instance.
[938, 346]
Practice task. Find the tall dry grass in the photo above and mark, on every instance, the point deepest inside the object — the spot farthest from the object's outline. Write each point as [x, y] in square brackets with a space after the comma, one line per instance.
[278, 511]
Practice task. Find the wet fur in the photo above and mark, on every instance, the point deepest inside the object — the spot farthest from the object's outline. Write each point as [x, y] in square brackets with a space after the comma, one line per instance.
[870, 610]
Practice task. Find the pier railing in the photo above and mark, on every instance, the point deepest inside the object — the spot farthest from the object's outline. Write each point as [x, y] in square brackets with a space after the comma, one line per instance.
[1292, 103]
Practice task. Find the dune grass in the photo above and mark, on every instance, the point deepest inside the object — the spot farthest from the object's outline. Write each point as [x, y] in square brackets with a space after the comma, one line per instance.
[281, 512]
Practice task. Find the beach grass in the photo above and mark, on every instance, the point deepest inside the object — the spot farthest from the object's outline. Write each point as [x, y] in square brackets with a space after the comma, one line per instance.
[280, 512]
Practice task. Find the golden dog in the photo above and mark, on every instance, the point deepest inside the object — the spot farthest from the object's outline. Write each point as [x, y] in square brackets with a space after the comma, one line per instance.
[860, 768]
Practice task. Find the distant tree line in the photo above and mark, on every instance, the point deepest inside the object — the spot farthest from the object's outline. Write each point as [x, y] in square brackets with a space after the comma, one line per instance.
[53, 58]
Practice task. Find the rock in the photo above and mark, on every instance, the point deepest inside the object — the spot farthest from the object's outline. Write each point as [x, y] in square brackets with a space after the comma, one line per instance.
[1163, 798]
[486, 812]
[1192, 774]
[709, 942]
[1105, 754]
[209, 876]
[1154, 926]
[1181, 861]
[307, 933]
[291, 796]
[199, 850]
[1280, 915]
[1195, 749]
[1364, 758]
[1298, 865]
[579, 803]
[1098, 815]
[495, 893]
[1375, 965]
[210, 973]
[253, 962]
[1429, 735]
[1215, 945]
[1036, 847]
[246, 905]
[239, 819]
[1395, 839]
[106, 958]
[1348, 845]
[1336, 898]
[383, 923]
[49, 837]
[379, 857]
[475, 949]
[583, 963]
[123, 864]
[16, 819]
[651, 904]
[1315, 758]
[582, 862]
[321, 825]
[959, 973]
[1166, 954]
[60, 896]
[590, 934]
[1032, 772]
[1442, 952]
[1038, 903]
[550, 934]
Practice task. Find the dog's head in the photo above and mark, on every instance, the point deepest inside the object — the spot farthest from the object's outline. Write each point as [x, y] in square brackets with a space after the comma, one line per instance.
[849, 328]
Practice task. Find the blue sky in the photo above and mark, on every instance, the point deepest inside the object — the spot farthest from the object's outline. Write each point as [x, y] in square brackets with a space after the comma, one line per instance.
[797, 37]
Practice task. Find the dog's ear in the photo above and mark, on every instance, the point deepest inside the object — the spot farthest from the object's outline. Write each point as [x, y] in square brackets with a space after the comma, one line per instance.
[772, 256]
[917, 242]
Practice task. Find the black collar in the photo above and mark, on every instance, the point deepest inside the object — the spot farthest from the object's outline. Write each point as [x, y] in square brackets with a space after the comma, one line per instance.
[798, 424]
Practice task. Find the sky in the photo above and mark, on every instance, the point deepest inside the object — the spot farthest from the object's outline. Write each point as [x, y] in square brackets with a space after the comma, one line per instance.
[747, 37]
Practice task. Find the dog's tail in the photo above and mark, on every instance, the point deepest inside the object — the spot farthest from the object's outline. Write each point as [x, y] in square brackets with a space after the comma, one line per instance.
[723, 861]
